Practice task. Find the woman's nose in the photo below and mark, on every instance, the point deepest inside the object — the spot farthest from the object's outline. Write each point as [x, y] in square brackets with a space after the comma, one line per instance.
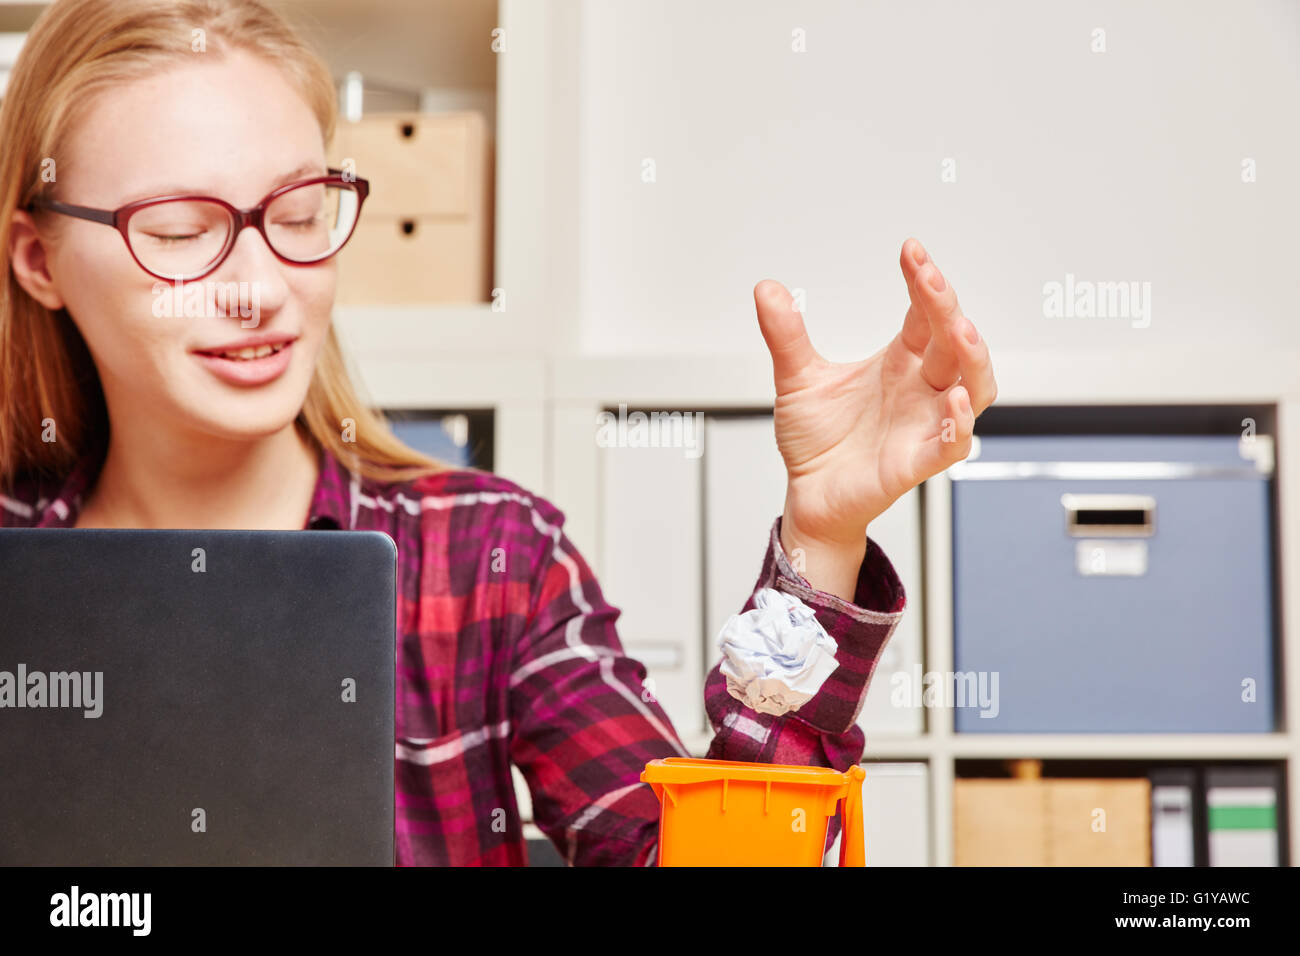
[258, 275]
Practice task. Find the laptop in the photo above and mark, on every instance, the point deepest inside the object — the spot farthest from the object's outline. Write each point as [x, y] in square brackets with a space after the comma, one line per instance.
[196, 697]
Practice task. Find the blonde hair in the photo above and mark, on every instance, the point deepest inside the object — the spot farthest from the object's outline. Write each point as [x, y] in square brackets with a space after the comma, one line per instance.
[75, 50]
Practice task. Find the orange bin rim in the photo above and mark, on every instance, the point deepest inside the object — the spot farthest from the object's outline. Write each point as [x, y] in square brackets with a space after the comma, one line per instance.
[697, 770]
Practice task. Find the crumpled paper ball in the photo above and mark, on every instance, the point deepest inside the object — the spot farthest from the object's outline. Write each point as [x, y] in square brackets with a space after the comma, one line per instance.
[777, 655]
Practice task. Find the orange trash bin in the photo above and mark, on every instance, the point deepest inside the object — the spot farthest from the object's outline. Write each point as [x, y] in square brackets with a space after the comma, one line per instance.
[732, 813]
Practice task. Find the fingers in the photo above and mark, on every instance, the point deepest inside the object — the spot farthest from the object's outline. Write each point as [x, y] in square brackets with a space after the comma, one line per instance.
[952, 443]
[931, 317]
[976, 365]
[936, 329]
[783, 331]
[940, 365]
[916, 327]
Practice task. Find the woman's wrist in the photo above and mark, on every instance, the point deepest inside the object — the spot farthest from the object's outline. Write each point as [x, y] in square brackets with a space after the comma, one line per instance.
[830, 566]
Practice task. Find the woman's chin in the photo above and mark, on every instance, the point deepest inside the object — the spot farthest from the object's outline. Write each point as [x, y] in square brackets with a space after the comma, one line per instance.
[247, 413]
[247, 424]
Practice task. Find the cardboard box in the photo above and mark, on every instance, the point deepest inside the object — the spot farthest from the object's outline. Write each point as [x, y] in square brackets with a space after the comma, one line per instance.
[425, 235]
[1052, 822]
[417, 261]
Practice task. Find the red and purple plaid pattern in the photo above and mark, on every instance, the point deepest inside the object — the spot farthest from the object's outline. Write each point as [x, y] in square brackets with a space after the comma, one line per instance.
[508, 654]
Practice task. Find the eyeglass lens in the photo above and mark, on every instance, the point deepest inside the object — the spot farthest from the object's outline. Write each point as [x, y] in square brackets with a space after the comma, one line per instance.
[184, 237]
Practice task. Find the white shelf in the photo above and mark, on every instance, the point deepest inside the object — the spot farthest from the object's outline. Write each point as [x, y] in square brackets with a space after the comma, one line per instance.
[927, 747]
[387, 331]
[1025, 377]
[1122, 746]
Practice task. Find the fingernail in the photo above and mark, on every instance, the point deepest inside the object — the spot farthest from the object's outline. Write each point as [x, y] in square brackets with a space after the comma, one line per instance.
[936, 281]
[971, 333]
[921, 255]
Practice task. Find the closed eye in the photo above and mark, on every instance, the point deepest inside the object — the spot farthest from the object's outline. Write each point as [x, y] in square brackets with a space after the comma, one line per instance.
[175, 237]
[300, 223]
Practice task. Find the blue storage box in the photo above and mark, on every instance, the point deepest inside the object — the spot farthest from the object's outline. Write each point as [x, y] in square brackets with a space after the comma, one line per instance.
[1114, 584]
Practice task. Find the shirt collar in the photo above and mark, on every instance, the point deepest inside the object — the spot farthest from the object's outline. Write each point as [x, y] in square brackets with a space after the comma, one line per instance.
[331, 502]
[62, 510]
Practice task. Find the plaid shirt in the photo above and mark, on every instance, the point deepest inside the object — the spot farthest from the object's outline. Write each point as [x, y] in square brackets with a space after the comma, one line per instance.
[508, 654]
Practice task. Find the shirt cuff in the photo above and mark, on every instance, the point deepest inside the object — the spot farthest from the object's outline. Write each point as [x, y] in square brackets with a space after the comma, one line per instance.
[878, 595]
[861, 630]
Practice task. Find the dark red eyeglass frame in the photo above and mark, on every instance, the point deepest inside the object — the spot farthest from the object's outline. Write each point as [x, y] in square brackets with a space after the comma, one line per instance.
[242, 218]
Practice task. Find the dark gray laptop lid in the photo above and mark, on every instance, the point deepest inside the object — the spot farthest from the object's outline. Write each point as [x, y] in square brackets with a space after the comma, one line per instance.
[209, 697]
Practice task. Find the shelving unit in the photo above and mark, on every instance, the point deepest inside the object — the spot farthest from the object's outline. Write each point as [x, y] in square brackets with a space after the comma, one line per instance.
[530, 364]
[463, 356]
[583, 385]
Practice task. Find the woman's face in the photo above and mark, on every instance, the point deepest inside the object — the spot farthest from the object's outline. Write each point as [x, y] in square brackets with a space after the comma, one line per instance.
[229, 126]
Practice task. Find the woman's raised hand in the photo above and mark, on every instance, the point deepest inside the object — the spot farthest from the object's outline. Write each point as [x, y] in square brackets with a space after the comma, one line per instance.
[856, 436]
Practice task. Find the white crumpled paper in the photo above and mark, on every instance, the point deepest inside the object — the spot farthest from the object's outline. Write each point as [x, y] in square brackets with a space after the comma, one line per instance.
[777, 655]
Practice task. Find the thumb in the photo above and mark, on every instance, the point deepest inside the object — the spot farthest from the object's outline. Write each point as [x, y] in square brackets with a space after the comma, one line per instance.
[783, 331]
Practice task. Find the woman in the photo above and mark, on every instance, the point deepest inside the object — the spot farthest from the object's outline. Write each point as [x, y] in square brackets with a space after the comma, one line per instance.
[120, 409]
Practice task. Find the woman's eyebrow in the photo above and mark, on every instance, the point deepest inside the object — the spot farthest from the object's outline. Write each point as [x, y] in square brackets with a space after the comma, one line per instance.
[301, 172]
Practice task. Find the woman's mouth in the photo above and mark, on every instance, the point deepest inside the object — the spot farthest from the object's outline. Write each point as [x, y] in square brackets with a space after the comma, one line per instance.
[243, 355]
[253, 365]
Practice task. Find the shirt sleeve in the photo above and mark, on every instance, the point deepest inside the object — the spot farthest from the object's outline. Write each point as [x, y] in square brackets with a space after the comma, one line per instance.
[584, 725]
[823, 732]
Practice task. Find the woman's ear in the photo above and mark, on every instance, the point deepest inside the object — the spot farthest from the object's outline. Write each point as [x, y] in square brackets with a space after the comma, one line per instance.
[27, 257]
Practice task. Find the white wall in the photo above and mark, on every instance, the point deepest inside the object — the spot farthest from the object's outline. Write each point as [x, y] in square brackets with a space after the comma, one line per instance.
[813, 167]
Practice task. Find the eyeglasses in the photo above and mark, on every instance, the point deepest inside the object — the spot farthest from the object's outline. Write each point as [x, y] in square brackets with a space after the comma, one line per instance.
[187, 237]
